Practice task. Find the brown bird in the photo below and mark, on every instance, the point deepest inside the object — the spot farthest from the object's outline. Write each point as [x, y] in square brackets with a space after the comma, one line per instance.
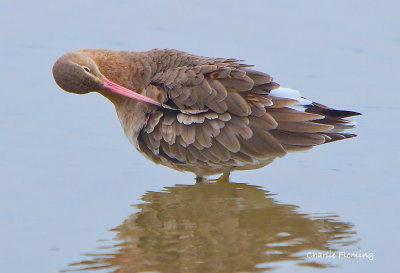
[198, 114]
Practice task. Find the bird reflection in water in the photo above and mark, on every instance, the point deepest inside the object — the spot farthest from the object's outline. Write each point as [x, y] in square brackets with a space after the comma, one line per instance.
[217, 227]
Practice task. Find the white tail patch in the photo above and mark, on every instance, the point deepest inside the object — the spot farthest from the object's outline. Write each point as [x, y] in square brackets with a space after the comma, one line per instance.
[289, 93]
[342, 127]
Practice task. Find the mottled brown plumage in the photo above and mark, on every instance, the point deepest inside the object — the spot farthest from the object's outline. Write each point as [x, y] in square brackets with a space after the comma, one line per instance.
[198, 114]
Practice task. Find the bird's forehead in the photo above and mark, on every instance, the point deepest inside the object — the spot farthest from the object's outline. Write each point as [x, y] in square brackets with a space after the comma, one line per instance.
[77, 57]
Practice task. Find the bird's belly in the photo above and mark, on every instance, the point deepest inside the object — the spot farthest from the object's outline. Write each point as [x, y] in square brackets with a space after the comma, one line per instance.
[207, 168]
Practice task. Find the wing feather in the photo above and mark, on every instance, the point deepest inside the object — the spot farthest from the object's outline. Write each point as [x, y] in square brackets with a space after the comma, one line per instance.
[225, 118]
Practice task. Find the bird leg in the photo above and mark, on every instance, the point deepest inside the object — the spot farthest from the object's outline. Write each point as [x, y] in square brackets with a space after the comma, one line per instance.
[224, 178]
[200, 179]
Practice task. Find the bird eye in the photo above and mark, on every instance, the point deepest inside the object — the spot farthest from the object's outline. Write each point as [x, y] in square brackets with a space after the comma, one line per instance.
[87, 69]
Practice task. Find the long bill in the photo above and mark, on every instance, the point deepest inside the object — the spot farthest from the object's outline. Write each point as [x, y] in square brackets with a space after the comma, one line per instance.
[120, 90]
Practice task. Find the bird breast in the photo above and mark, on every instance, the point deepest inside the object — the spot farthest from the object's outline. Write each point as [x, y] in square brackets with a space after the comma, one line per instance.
[133, 117]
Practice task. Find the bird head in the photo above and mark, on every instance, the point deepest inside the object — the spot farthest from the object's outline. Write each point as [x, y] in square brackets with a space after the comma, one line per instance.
[78, 73]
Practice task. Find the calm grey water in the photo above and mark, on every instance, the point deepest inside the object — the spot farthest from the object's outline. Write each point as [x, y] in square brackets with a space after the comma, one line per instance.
[68, 175]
